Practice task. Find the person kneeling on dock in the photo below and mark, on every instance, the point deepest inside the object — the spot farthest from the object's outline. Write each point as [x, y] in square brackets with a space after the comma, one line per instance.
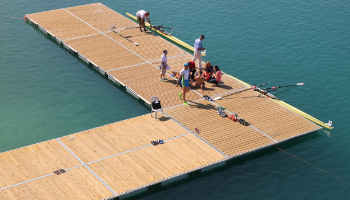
[184, 78]
[141, 15]
[199, 80]
[216, 79]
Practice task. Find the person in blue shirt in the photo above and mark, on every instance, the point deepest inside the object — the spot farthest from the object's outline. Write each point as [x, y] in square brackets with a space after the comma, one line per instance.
[197, 51]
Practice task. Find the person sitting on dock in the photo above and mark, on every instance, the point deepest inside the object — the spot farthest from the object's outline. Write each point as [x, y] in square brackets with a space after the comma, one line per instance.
[141, 15]
[198, 51]
[184, 78]
[163, 65]
[208, 71]
[217, 77]
[199, 81]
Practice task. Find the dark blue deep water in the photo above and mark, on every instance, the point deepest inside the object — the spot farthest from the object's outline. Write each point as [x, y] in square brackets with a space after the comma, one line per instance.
[45, 92]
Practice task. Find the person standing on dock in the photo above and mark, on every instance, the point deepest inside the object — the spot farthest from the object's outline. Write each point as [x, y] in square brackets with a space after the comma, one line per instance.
[163, 65]
[141, 15]
[184, 78]
[197, 51]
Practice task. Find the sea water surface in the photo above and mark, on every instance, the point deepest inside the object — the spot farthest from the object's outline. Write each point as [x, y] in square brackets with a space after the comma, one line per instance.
[46, 93]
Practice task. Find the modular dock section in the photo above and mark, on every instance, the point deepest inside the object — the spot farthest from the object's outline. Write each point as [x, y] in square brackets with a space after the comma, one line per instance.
[118, 159]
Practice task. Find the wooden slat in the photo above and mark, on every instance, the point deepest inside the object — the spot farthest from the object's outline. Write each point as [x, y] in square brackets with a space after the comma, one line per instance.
[266, 115]
[146, 165]
[229, 137]
[144, 79]
[33, 161]
[62, 24]
[100, 16]
[77, 183]
[104, 52]
[122, 136]
[150, 46]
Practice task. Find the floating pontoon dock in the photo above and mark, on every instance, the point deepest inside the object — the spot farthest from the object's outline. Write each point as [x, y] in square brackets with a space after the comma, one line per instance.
[117, 160]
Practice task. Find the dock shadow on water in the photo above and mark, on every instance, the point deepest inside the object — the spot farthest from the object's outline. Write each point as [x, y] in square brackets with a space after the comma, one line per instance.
[229, 164]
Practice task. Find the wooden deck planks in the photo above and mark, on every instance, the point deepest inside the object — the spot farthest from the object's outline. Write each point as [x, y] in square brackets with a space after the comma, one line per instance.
[266, 115]
[77, 183]
[147, 165]
[144, 79]
[62, 24]
[119, 137]
[229, 137]
[33, 161]
[150, 46]
[100, 16]
[104, 52]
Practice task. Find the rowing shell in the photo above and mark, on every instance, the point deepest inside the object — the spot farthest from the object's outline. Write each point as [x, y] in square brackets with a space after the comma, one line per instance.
[172, 38]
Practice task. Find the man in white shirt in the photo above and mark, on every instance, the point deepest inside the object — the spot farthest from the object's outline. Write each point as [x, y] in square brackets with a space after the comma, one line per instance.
[141, 15]
[197, 47]
[184, 78]
[163, 65]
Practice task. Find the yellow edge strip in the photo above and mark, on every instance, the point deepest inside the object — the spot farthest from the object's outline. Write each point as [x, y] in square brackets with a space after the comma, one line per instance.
[172, 38]
[289, 107]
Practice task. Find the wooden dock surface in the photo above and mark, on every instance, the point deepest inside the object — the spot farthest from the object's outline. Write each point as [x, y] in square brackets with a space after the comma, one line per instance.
[118, 158]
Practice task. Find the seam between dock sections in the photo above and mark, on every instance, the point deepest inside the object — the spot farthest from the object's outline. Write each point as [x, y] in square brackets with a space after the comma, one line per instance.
[71, 152]
[85, 36]
[87, 167]
[142, 63]
[34, 179]
[197, 136]
[100, 179]
[110, 38]
[141, 147]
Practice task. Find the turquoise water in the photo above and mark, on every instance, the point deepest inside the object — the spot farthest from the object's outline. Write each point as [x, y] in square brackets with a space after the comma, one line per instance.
[45, 92]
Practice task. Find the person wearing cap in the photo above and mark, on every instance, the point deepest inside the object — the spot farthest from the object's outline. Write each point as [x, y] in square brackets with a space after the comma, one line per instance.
[184, 78]
[141, 15]
[164, 65]
[197, 51]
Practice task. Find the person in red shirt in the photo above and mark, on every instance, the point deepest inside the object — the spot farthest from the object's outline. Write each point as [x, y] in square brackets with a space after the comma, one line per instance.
[192, 68]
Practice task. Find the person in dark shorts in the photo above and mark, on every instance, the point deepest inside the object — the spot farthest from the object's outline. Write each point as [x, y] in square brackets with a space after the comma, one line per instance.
[141, 15]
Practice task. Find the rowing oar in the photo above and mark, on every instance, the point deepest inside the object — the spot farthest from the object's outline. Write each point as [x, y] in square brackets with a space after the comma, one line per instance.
[272, 88]
[125, 37]
[160, 26]
[113, 27]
